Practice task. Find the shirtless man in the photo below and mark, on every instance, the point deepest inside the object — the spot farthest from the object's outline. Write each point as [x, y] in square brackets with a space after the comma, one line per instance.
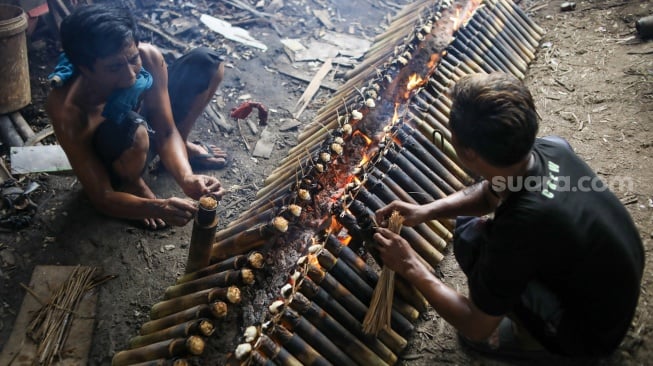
[109, 76]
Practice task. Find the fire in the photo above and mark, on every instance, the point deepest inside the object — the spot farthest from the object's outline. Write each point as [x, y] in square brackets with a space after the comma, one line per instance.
[414, 81]
[464, 14]
[312, 259]
[345, 240]
[368, 141]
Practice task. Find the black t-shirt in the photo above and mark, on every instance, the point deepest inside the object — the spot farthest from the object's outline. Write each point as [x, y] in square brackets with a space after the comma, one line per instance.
[571, 234]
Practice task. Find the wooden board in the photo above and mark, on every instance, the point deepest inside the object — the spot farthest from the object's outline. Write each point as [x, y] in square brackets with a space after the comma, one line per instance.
[20, 350]
[37, 159]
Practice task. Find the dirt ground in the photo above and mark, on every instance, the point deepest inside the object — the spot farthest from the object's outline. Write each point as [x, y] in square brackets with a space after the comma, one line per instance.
[593, 84]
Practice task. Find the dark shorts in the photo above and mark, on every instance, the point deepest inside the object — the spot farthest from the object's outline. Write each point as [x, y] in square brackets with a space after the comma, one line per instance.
[188, 76]
[539, 310]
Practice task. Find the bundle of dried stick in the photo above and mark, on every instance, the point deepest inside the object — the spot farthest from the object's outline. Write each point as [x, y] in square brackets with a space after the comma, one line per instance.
[51, 324]
[379, 313]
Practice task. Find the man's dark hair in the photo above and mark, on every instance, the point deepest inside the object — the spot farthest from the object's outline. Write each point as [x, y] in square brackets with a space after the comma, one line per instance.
[96, 31]
[494, 115]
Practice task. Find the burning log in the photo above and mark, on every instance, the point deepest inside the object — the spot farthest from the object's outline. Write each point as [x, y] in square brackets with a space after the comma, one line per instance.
[345, 275]
[250, 239]
[204, 226]
[345, 253]
[275, 352]
[192, 345]
[222, 279]
[216, 309]
[253, 260]
[336, 332]
[297, 346]
[167, 307]
[202, 327]
[322, 298]
[354, 306]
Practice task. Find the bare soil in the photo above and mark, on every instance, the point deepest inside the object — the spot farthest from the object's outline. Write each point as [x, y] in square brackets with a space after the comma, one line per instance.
[593, 84]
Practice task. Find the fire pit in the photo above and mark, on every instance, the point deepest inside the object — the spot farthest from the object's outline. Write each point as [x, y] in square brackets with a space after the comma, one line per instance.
[383, 136]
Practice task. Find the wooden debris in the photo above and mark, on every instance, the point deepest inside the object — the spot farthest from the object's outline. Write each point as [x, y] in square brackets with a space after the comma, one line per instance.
[236, 34]
[295, 74]
[312, 88]
[216, 118]
[37, 137]
[265, 144]
[324, 18]
[170, 39]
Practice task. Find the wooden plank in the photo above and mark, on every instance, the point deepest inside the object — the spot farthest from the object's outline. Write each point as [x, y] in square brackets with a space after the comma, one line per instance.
[295, 74]
[312, 88]
[20, 350]
[36, 159]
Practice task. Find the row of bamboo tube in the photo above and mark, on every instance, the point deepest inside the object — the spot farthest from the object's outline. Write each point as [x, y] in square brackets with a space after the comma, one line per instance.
[318, 319]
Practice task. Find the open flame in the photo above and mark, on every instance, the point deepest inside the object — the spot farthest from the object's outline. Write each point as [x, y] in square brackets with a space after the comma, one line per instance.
[312, 259]
[464, 14]
[345, 240]
[368, 140]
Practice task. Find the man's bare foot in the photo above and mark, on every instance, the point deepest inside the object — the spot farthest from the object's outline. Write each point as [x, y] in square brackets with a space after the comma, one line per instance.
[204, 156]
[141, 189]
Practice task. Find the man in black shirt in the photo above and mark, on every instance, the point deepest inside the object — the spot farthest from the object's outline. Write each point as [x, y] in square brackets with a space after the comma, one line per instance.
[560, 260]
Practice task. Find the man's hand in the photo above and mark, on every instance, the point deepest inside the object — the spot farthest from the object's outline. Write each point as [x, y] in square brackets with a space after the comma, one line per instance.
[177, 211]
[197, 185]
[413, 214]
[395, 251]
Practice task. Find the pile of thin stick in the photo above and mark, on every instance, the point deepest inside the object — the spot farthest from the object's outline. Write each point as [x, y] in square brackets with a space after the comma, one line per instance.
[51, 324]
[380, 311]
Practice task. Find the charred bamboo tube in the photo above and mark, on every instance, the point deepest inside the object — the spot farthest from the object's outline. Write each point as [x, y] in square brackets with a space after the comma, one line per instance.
[400, 312]
[420, 140]
[201, 327]
[354, 306]
[490, 39]
[303, 351]
[415, 173]
[201, 240]
[275, 352]
[322, 298]
[404, 180]
[430, 256]
[463, 42]
[249, 239]
[437, 120]
[533, 29]
[216, 309]
[192, 345]
[345, 253]
[228, 278]
[336, 332]
[514, 27]
[386, 195]
[485, 24]
[458, 68]
[437, 171]
[259, 359]
[167, 307]
[309, 333]
[465, 49]
[516, 38]
[253, 260]
[490, 52]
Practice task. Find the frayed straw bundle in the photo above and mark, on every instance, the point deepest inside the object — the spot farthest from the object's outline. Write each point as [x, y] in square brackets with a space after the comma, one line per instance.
[380, 311]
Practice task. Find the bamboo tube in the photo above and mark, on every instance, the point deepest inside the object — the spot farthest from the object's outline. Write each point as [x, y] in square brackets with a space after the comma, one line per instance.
[250, 239]
[228, 278]
[403, 180]
[202, 327]
[490, 40]
[401, 313]
[340, 336]
[434, 117]
[354, 306]
[484, 53]
[192, 345]
[303, 351]
[496, 23]
[322, 298]
[427, 253]
[275, 352]
[292, 321]
[259, 359]
[533, 29]
[345, 253]
[167, 307]
[437, 171]
[22, 127]
[420, 140]
[216, 309]
[201, 240]
[504, 20]
[453, 72]
[416, 174]
[484, 24]
[385, 191]
[8, 133]
[253, 260]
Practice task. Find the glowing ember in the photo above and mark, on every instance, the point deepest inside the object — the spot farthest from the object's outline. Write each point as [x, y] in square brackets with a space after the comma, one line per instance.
[368, 141]
[345, 240]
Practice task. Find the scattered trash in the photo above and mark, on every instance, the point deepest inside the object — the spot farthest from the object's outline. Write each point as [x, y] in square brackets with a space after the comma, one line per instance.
[567, 6]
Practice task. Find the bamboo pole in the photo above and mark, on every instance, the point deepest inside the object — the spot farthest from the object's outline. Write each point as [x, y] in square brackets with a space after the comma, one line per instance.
[354, 306]
[201, 327]
[250, 239]
[276, 353]
[216, 309]
[170, 348]
[303, 351]
[164, 308]
[253, 260]
[323, 299]
[201, 240]
[227, 278]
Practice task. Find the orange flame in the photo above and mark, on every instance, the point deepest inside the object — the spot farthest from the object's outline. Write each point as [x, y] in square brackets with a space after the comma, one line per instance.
[368, 141]
[312, 259]
[463, 15]
[345, 240]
